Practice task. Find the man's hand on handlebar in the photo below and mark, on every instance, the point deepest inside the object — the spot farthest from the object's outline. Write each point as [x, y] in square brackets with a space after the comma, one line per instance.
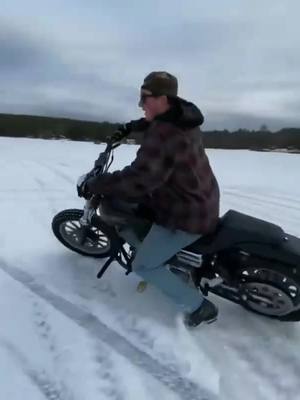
[138, 125]
[101, 162]
[122, 132]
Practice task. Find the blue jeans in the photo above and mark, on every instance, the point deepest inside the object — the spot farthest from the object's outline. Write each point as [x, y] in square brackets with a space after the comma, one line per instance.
[160, 245]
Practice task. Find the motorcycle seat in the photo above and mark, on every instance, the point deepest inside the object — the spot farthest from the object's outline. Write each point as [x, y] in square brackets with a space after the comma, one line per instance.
[235, 228]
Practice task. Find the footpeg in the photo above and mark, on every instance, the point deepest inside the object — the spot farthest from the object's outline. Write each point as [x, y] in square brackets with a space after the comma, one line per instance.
[211, 282]
[206, 283]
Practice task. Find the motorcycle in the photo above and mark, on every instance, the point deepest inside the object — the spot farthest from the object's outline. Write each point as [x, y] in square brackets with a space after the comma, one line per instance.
[248, 261]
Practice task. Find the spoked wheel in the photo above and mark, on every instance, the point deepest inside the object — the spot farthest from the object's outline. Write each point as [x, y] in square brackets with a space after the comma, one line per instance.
[274, 294]
[93, 241]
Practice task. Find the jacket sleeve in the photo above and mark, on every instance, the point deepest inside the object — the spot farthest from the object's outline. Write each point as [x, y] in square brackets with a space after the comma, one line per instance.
[150, 169]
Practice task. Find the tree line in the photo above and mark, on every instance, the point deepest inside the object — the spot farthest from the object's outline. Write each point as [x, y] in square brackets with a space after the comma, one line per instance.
[65, 128]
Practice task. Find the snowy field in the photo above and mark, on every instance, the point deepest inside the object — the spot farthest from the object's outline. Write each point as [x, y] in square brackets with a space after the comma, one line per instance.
[66, 336]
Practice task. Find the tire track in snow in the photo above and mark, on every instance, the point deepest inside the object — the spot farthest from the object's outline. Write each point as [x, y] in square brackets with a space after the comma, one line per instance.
[44, 384]
[286, 218]
[260, 360]
[262, 199]
[263, 371]
[146, 342]
[282, 196]
[47, 335]
[108, 383]
[57, 172]
[43, 327]
[251, 378]
[277, 354]
[184, 388]
[42, 186]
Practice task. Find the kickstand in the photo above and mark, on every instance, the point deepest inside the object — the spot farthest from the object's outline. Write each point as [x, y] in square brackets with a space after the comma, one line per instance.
[105, 266]
[117, 257]
[128, 265]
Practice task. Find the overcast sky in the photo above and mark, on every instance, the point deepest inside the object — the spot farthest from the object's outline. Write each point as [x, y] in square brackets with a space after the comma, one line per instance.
[238, 60]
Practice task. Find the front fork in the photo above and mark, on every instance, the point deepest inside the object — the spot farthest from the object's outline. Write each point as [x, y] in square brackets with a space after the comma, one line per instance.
[85, 221]
[89, 210]
[119, 253]
[88, 213]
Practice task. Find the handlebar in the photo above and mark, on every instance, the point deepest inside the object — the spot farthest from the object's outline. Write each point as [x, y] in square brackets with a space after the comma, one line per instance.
[105, 158]
[101, 165]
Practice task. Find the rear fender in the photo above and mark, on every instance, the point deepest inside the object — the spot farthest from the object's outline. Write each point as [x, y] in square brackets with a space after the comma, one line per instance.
[288, 252]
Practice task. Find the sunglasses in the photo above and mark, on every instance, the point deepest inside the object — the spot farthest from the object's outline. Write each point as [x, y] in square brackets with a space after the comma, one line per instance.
[143, 98]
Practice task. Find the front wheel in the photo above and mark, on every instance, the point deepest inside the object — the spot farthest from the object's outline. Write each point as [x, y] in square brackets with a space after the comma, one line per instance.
[92, 241]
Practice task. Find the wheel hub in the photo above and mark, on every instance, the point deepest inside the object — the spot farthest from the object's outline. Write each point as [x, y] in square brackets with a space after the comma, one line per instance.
[266, 299]
[90, 239]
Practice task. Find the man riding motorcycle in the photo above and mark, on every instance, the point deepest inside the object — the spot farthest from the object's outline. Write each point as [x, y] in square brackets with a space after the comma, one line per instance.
[172, 176]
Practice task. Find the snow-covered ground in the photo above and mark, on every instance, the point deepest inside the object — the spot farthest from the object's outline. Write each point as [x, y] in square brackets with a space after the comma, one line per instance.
[65, 335]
